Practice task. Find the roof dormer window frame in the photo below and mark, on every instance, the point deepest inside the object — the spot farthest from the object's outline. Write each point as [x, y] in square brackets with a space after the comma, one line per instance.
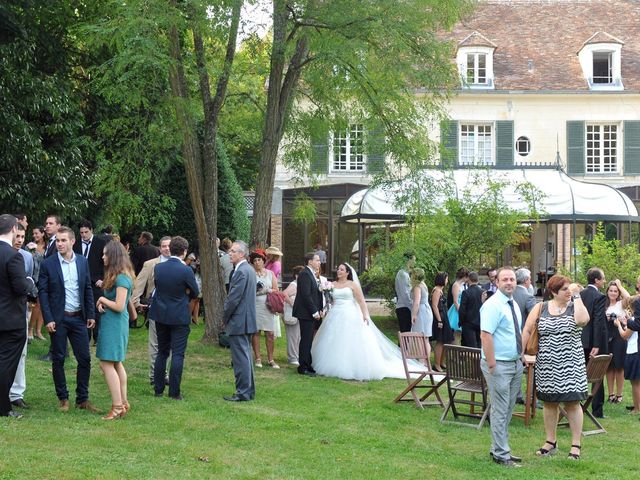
[479, 74]
[609, 78]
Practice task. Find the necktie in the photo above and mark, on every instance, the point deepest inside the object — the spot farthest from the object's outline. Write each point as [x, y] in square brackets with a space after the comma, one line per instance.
[516, 327]
[86, 248]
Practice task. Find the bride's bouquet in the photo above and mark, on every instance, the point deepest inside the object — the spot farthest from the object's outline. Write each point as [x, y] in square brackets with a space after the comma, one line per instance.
[326, 288]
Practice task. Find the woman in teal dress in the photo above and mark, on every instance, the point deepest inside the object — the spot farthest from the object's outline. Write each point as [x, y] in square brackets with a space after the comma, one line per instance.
[455, 296]
[113, 336]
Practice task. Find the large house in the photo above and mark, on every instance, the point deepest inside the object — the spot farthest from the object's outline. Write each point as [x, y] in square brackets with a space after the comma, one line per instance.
[541, 82]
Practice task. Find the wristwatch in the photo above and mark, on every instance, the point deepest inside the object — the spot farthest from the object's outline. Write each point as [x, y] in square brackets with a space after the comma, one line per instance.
[575, 296]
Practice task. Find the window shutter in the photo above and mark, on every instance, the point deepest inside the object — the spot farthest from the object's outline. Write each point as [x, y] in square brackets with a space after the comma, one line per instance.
[504, 143]
[575, 147]
[631, 147]
[375, 148]
[320, 152]
[449, 143]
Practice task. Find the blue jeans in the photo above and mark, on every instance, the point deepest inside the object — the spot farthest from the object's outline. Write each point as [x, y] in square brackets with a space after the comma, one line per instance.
[503, 384]
[172, 339]
[75, 330]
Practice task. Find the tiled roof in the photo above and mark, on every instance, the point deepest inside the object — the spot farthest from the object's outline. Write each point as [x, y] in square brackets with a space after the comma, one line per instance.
[537, 41]
[476, 39]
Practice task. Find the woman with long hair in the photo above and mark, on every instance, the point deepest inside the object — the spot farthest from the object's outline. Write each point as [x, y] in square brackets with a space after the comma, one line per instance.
[37, 248]
[455, 296]
[113, 336]
[616, 293]
[442, 332]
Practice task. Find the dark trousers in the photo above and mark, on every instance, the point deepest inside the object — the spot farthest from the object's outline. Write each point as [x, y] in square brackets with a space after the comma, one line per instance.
[470, 336]
[241, 358]
[304, 350]
[11, 345]
[598, 398]
[404, 319]
[172, 339]
[75, 330]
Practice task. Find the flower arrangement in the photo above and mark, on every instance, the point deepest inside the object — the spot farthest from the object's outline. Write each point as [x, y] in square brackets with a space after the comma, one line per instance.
[326, 288]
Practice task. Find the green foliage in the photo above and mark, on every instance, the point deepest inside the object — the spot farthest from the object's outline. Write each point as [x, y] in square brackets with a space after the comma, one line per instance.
[41, 119]
[233, 221]
[470, 231]
[616, 260]
[304, 209]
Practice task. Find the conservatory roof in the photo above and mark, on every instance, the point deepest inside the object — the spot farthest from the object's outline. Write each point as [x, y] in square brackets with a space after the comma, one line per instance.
[563, 199]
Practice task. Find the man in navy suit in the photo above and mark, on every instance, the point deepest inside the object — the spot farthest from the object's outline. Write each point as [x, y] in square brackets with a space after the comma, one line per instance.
[307, 307]
[66, 299]
[240, 321]
[175, 285]
[14, 287]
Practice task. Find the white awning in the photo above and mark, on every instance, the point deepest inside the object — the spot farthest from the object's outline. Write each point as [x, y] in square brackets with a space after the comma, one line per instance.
[564, 199]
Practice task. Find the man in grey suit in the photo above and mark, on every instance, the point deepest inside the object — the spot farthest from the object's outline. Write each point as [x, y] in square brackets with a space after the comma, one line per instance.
[240, 321]
[521, 294]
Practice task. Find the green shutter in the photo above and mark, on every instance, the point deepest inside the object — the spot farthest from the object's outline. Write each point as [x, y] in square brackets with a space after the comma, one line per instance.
[320, 152]
[375, 147]
[504, 144]
[575, 147]
[631, 135]
[448, 143]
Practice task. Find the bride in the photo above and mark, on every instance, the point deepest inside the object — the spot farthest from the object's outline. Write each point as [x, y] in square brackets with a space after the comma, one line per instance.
[348, 345]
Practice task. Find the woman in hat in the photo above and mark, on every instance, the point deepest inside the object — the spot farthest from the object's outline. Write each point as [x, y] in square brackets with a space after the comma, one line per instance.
[273, 262]
[266, 321]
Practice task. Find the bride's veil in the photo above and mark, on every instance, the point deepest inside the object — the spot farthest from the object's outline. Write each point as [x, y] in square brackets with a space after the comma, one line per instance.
[354, 274]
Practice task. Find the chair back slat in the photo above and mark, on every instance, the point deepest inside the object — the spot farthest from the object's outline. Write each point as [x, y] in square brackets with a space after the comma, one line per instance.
[414, 346]
[597, 367]
[463, 363]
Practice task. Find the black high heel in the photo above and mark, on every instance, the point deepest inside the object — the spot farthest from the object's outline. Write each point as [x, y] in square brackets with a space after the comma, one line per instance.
[547, 452]
[574, 456]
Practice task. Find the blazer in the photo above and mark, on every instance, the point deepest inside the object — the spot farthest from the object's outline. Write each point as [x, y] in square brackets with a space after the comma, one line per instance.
[142, 254]
[308, 297]
[634, 323]
[96, 265]
[240, 305]
[470, 303]
[51, 248]
[51, 290]
[175, 286]
[594, 334]
[525, 301]
[145, 281]
[14, 287]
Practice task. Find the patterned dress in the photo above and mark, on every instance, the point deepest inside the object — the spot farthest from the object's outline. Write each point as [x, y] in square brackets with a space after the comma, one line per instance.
[560, 372]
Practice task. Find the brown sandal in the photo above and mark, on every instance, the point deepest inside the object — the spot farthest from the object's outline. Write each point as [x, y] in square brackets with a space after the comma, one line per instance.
[117, 411]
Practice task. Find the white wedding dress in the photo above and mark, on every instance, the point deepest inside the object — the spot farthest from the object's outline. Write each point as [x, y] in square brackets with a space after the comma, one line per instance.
[346, 347]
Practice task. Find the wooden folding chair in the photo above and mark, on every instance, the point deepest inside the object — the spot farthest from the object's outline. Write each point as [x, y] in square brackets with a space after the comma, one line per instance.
[464, 375]
[414, 346]
[596, 370]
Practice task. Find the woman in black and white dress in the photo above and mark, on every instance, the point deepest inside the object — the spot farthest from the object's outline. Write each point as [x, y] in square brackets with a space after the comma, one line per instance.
[560, 374]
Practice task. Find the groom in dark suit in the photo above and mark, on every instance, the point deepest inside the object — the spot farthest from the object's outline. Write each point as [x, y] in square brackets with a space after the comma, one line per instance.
[594, 334]
[307, 308]
[240, 321]
[66, 299]
[14, 286]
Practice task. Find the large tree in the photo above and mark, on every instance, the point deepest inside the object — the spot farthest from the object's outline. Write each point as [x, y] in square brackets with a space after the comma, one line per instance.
[339, 61]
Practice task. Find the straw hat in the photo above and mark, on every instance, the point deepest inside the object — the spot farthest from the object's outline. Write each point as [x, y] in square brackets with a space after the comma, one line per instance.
[274, 251]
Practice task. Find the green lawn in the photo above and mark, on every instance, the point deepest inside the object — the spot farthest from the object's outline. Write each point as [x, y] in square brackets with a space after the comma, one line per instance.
[297, 427]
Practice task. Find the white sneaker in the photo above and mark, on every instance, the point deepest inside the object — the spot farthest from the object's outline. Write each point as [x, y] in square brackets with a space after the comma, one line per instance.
[273, 364]
[258, 363]
[297, 364]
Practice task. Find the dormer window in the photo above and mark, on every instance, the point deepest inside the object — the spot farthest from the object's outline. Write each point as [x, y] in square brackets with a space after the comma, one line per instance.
[475, 61]
[600, 59]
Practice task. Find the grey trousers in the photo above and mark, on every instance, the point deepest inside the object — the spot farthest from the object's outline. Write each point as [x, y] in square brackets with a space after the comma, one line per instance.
[153, 348]
[242, 359]
[293, 341]
[503, 384]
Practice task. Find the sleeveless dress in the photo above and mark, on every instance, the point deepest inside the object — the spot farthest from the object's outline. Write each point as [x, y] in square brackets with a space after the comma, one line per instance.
[113, 331]
[266, 321]
[444, 334]
[617, 345]
[424, 322]
[560, 371]
[453, 313]
[346, 347]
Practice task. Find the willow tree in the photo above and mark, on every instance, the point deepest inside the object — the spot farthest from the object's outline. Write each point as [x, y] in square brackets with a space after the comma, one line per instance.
[335, 62]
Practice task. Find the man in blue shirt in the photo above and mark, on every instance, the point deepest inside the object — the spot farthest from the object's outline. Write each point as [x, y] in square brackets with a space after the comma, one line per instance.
[501, 362]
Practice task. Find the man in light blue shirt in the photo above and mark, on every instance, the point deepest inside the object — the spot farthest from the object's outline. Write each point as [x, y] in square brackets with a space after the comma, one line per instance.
[501, 362]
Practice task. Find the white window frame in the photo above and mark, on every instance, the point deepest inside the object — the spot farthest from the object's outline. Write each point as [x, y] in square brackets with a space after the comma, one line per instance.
[600, 151]
[350, 163]
[585, 57]
[476, 143]
[462, 60]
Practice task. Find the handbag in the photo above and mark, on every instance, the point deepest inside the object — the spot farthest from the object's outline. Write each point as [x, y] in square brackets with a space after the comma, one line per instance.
[534, 339]
[275, 302]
